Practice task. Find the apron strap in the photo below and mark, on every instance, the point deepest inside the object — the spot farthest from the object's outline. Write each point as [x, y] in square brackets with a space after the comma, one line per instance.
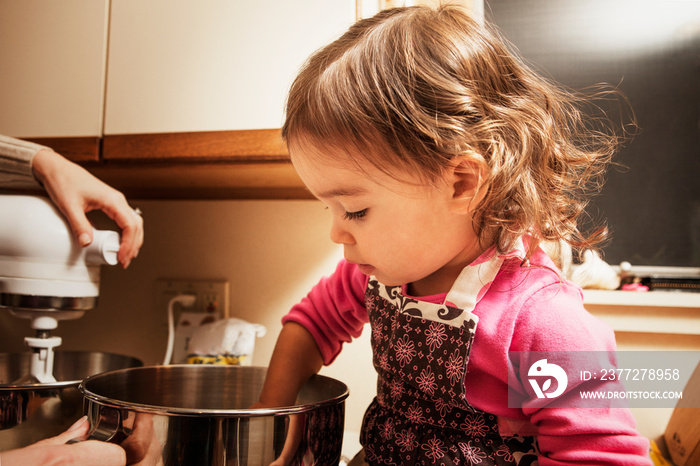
[476, 278]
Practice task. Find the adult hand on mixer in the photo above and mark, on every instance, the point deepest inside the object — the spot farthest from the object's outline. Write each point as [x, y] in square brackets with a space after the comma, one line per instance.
[76, 191]
[54, 450]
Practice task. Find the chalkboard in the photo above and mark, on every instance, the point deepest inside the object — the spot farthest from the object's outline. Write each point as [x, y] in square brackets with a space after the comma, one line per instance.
[650, 50]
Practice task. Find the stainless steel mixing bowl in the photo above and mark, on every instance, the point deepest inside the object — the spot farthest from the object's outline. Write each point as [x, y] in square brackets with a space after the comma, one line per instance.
[200, 415]
[31, 412]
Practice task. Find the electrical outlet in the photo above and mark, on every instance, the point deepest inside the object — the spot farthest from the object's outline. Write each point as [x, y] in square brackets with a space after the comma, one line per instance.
[212, 297]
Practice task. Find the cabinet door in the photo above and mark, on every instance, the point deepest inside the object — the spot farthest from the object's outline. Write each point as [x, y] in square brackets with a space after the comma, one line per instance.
[215, 65]
[52, 62]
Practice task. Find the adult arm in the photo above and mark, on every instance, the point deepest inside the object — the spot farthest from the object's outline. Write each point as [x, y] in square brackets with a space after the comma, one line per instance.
[16, 163]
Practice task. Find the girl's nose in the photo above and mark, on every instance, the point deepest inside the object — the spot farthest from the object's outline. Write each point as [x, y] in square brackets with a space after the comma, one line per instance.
[340, 235]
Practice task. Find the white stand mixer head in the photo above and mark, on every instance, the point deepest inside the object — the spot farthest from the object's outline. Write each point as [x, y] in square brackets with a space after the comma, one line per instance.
[45, 275]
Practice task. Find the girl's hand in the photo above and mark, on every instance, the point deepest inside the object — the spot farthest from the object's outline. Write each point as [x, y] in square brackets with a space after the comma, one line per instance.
[76, 191]
[55, 451]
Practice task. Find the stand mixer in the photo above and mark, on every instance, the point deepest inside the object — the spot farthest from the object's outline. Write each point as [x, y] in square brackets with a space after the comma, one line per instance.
[45, 275]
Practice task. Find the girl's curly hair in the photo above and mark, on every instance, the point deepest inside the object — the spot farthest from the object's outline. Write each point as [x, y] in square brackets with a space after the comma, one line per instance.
[412, 88]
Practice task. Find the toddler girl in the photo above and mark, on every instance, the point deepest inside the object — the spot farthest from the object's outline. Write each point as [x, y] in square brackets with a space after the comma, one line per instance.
[445, 162]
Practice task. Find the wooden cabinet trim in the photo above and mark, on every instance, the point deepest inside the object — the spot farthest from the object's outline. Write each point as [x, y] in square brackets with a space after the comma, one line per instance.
[77, 149]
[243, 145]
[239, 164]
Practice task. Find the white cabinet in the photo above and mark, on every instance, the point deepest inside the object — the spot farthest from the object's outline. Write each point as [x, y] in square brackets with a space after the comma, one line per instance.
[191, 65]
[186, 82]
[169, 65]
[52, 63]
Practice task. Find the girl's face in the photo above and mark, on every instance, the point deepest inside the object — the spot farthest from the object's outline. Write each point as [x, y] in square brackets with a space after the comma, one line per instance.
[400, 232]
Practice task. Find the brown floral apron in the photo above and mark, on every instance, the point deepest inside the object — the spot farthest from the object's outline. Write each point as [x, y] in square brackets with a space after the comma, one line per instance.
[421, 351]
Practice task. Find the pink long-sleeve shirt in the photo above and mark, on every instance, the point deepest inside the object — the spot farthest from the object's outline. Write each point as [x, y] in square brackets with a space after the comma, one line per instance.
[526, 309]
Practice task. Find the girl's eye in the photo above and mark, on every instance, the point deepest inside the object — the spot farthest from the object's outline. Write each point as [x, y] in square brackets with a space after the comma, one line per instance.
[356, 215]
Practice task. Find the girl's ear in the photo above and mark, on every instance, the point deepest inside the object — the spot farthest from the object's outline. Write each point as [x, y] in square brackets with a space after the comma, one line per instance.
[468, 176]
